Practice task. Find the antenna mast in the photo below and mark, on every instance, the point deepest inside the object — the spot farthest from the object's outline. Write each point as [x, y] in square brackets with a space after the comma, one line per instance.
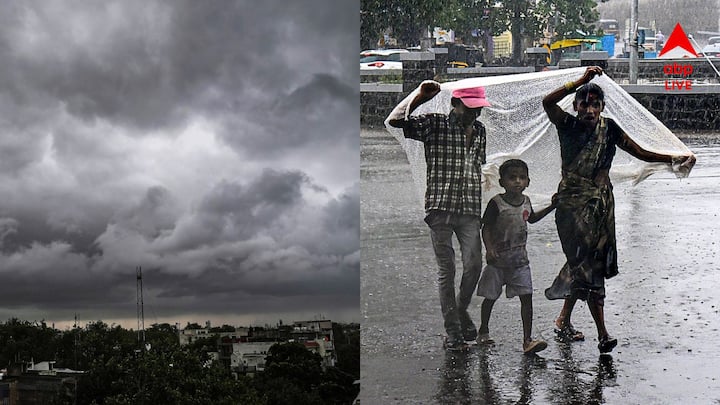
[76, 341]
[140, 307]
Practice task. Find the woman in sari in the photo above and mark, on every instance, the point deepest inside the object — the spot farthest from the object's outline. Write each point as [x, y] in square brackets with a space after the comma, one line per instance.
[585, 214]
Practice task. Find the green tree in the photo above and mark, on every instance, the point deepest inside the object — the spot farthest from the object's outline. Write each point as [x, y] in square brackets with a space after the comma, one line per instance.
[347, 348]
[292, 375]
[405, 20]
[24, 341]
[162, 335]
[104, 353]
[474, 21]
[337, 387]
[119, 370]
[565, 18]
[525, 19]
[294, 362]
[177, 375]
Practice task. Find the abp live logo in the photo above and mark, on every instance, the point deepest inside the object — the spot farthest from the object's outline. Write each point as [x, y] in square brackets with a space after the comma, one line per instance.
[678, 46]
[678, 69]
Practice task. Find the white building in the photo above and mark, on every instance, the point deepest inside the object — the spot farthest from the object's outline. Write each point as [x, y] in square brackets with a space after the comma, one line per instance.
[249, 356]
[188, 336]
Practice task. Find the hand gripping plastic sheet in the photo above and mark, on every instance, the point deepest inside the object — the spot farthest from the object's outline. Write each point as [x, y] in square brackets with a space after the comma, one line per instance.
[517, 127]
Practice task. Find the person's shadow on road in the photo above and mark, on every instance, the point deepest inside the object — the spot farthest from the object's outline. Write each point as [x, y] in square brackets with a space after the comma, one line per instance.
[530, 363]
[577, 385]
[470, 378]
[455, 386]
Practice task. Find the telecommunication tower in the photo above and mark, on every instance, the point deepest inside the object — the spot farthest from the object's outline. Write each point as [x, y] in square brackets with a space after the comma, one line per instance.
[140, 308]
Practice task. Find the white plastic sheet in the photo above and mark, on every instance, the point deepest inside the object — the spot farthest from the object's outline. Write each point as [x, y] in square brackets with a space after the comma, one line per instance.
[517, 127]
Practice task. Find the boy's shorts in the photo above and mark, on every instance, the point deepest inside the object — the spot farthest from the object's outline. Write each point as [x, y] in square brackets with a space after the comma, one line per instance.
[517, 281]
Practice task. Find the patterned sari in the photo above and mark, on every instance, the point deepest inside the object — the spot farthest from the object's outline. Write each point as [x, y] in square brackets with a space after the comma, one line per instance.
[585, 219]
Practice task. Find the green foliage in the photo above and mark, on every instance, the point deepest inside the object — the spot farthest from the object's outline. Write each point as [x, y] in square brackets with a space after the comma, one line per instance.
[180, 376]
[293, 362]
[18, 342]
[566, 17]
[293, 375]
[119, 372]
[407, 20]
[337, 387]
[347, 348]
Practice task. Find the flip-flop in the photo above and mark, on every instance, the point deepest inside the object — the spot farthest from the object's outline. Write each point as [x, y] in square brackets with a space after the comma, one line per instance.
[485, 339]
[570, 333]
[454, 345]
[607, 344]
[534, 346]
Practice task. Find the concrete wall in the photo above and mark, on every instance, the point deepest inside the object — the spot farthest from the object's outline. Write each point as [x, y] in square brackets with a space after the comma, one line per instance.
[687, 110]
[653, 70]
[376, 106]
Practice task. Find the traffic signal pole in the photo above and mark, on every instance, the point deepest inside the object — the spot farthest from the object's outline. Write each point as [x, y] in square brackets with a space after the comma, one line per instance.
[633, 37]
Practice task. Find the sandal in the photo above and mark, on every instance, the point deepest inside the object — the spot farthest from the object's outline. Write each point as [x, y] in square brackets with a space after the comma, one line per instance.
[568, 332]
[470, 334]
[454, 345]
[607, 344]
[485, 339]
[534, 346]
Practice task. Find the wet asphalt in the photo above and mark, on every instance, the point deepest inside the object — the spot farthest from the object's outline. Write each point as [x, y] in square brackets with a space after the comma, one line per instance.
[664, 307]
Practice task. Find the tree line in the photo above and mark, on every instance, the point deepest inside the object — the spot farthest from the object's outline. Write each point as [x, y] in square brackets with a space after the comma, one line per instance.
[476, 20]
[118, 371]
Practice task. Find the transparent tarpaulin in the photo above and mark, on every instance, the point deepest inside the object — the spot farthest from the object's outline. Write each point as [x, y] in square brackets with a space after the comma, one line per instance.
[517, 127]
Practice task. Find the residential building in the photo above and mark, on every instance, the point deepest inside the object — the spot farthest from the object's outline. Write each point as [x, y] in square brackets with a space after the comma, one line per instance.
[38, 384]
[247, 357]
[244, 350]
[317, 336]
[188, 336]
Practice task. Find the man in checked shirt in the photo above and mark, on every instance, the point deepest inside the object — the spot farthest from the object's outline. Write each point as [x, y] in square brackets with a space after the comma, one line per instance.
[454, 153]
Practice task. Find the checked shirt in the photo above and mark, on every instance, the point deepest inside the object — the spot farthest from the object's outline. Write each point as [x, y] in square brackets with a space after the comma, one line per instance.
[453, 170]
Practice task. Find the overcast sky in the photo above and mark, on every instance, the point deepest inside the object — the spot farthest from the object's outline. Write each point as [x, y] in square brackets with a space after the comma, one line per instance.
[213, 143]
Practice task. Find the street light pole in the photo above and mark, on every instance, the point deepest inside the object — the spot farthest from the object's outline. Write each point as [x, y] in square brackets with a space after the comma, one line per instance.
[632, 36]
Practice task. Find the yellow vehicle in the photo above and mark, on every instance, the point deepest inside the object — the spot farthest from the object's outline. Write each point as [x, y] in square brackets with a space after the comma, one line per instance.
[462, 56]
[571, 48]
[457, 64]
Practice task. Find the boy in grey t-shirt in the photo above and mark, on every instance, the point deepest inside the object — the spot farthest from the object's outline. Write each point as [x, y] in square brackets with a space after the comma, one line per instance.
[504, 233]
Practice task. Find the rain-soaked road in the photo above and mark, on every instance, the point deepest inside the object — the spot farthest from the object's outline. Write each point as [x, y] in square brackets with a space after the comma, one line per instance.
[664, 307]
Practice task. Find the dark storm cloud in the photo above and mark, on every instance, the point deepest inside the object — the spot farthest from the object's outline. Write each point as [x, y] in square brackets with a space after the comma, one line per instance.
[312, 115]
[285, 262]
[155, 214]
[214, 143]
[100, 60]
[232, 211]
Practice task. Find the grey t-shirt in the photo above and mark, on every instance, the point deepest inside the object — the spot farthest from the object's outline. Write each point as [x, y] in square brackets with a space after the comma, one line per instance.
[508, 223]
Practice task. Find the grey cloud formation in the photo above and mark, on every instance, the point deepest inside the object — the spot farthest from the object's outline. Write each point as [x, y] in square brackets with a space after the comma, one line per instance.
[302, 117]
[213, 143]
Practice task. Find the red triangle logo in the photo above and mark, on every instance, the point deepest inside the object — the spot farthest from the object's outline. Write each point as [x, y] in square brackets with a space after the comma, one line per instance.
[678, 39]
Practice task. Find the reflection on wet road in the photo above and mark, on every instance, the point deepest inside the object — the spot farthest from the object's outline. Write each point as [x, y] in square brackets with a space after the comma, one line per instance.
[476, 377]
[664, 307]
